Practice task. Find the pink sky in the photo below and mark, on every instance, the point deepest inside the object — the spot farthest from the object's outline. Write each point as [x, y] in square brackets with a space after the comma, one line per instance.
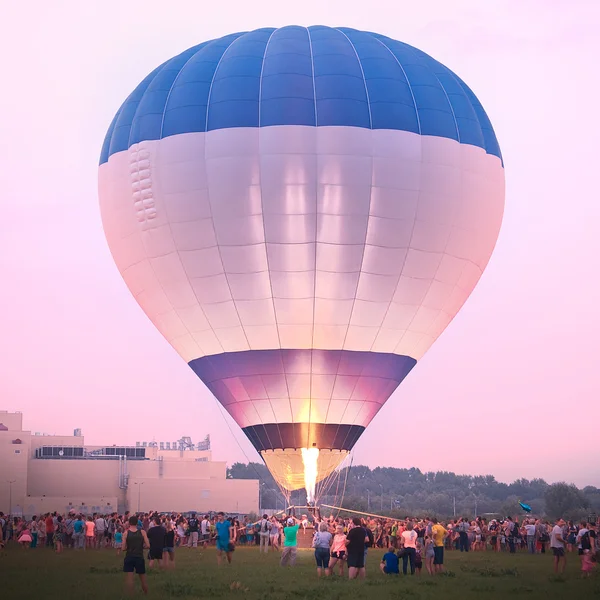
[77, 351]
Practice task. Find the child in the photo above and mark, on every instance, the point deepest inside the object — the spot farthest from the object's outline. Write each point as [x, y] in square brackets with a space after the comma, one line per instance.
[587, 564]
[429, 554]
[418, 559]
[390, 564]
[118, 543]
[25, 538]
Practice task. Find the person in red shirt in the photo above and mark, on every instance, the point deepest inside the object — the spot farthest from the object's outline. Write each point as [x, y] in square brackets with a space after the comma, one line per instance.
[49, 530]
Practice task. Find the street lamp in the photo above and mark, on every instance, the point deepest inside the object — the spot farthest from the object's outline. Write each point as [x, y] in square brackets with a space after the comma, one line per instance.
[139, 484]
[10, 495]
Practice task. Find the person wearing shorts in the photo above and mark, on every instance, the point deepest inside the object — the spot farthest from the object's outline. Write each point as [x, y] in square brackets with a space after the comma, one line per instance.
[169, 549]
[205, 530]
[134, 542]
[274, 535]
[557, 543]
[224, 537]
[355, 545]
[338, 550]
[322, 543]
[156, 537]
[438, 533]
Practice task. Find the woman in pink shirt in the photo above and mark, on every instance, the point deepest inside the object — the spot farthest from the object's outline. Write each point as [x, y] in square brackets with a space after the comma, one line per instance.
[90, 536]
[338, 550]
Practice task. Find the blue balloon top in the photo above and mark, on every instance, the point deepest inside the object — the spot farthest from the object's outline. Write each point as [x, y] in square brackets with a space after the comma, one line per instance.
[313, 76]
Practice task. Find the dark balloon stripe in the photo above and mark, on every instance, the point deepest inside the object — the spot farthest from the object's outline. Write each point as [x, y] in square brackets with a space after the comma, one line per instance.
[272, 436]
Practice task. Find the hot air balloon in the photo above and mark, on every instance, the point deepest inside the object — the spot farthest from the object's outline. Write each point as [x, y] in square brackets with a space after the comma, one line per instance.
[301, 212]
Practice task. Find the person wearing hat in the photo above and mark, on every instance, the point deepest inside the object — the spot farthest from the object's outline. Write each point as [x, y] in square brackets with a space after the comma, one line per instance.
[290, 543]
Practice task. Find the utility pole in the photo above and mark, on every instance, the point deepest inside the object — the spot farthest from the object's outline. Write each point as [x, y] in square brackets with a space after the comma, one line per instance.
[391, 503]
[454, 505]
[139, 484]
[368, 499]
[381, 497]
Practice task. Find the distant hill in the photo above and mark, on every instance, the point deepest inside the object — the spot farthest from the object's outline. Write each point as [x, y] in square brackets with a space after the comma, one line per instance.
[401, 492]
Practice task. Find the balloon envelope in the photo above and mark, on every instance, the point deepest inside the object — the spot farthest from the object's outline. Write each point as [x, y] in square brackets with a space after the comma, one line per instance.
[301, 212]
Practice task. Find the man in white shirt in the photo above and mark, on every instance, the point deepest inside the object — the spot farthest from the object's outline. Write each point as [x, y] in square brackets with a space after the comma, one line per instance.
[205, 530]
[100, 529]
[530, 530]
[557, 543]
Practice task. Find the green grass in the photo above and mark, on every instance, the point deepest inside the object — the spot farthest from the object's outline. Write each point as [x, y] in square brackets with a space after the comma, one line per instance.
[95, 575]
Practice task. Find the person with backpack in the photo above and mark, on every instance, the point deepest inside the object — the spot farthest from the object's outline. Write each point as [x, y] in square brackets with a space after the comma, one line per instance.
[264, 529]
[583, 541]
[193, 526]
[205, 530]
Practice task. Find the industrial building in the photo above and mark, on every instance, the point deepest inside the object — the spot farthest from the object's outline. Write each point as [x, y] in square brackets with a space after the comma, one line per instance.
[43, 473]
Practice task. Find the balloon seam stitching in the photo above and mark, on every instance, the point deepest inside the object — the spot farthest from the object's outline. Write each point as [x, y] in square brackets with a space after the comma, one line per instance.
[314, 295]
[212, 81]
[312, 70]
[162, 121]
[407, 80]
[363, 76]
[275, 418]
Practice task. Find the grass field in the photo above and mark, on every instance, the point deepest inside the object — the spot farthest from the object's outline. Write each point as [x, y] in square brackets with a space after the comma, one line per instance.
[95, 575]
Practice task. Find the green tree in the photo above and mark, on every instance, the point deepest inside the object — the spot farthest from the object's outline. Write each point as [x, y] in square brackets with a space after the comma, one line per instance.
[563, 499]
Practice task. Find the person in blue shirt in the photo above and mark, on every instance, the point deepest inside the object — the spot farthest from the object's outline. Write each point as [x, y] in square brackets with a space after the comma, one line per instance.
[78, 533]
[390, 564]
[225, 538]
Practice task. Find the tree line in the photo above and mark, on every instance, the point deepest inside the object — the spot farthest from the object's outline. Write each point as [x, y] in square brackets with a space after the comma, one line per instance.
[400, 492]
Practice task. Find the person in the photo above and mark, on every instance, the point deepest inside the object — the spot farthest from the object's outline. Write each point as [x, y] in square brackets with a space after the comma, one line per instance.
[338, 550]
[584, 543]
[33, 527]
[557, 543]
[321, 544]
[156, 537]
[355, 546]
[59, 534]
[390, 564]
[205, 530]
[438, 533]
[134, 542]
[409, 542]
[463, 533]
[193, 531]
[530, 531]
[100, 523]
[169, 545]
[25, 538]
[274, 536]
[587, 563]
[78, 533]
[290, 542]
[119, 540]
[429, 555]
[264, 529]
[90, 526]
[224, 535]
[49, 521]
[418, 558]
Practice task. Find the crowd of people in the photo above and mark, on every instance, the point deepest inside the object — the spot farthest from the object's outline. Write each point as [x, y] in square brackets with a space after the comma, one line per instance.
[408, 544]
